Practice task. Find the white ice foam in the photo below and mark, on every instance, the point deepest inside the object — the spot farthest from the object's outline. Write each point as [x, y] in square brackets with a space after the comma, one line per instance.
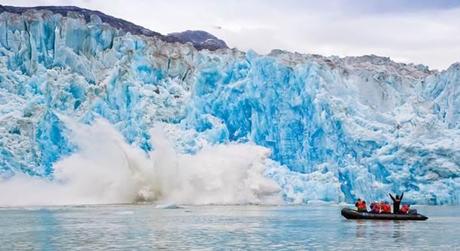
[106, 169]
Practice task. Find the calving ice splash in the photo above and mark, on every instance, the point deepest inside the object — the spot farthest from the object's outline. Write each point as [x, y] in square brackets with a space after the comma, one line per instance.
[105, 169]
[229, 126]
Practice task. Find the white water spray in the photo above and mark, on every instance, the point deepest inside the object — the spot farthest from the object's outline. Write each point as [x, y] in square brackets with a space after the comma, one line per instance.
[106, 169]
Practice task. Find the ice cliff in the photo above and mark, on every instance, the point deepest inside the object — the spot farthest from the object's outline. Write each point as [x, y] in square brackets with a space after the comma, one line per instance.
[337, 128]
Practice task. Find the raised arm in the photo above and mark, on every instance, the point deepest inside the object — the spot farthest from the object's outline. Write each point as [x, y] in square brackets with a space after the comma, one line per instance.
[401, 196]
[392, 198]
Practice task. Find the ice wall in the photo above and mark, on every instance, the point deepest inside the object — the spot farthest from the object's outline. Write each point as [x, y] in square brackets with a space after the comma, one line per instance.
[338, 128]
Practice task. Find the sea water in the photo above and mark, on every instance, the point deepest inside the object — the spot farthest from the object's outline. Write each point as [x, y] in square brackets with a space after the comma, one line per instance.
[147, 227]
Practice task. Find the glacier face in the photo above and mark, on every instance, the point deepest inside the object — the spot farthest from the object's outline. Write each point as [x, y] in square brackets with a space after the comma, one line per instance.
[338, 128]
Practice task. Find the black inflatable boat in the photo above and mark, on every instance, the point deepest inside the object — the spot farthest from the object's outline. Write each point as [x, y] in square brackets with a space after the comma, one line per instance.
[355, 215]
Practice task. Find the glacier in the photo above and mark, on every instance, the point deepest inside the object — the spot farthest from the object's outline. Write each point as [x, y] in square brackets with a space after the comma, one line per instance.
[337, 128]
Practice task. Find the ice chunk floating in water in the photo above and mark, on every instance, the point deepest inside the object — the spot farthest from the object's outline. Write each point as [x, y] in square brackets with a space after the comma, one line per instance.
[333, 128]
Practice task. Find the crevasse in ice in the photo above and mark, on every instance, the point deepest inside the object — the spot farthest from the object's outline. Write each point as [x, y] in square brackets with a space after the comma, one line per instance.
[338, 128]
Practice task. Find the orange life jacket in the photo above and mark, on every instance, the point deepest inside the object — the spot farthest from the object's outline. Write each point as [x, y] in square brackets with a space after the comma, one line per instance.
[376, 208]
[386, 208]
[404, 209]
[361, 204]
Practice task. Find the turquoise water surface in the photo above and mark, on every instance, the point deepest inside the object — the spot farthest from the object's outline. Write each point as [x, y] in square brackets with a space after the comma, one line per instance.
[146, 227]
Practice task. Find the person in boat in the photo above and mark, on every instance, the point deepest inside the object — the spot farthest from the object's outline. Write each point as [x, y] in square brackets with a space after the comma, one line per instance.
[396, 202]
[375, 207]
[372, 206]
[385, 208]
[361, 205]
[404, 209]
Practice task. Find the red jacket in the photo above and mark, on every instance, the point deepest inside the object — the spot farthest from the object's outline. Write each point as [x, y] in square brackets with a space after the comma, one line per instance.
[386, 208]
[376, 208]
[361, 205]
[404, 209]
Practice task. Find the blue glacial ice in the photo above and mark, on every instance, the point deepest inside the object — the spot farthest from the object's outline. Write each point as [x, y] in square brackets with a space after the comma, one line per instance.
[337, 128]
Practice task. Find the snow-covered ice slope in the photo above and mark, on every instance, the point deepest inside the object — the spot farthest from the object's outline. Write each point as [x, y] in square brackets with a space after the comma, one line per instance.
[338, 128]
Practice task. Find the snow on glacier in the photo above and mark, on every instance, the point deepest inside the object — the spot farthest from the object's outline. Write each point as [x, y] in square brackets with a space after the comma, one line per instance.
[337, 128]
